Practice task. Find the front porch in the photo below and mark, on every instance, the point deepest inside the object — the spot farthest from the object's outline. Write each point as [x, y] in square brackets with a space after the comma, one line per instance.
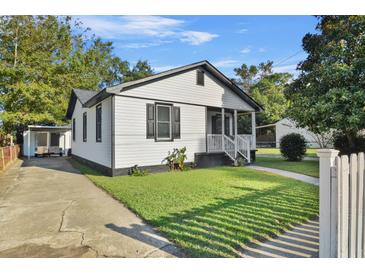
[228, 136]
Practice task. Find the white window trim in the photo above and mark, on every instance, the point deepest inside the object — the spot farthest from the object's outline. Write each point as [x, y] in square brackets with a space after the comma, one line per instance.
[170, 123]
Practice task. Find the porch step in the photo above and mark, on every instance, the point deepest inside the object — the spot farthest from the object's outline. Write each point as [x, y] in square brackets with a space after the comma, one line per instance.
[210, 159]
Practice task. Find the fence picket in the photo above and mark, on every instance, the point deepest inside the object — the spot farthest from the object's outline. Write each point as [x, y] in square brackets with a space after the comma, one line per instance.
[340, 223]
[360, 204]
[353, 206]
[345, 205]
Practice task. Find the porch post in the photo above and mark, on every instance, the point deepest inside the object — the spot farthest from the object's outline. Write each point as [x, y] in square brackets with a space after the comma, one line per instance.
[29, 143]
[235, 132]
[253, 125]
[222, 113]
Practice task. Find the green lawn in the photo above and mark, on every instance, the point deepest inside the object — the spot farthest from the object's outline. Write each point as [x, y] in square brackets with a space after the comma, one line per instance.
[311, 152]
[310, 168]
[212, 212]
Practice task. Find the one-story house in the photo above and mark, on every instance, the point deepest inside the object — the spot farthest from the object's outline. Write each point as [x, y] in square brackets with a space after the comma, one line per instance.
[38, 139]
[270, 135]
[139, 122]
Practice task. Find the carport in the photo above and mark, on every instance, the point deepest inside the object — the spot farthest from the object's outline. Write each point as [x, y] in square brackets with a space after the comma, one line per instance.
[52, 139]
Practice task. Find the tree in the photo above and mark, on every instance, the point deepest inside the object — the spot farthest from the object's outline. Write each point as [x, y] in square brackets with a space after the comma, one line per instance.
[41, 59]
[269, 93]
[329, 92]
[267, 88]
[140, 70]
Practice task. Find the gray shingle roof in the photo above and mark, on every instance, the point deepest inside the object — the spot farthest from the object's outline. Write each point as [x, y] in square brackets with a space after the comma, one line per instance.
[84, 95]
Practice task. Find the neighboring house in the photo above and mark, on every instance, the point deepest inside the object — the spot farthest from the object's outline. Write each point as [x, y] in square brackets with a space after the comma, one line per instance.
[139, 122]
[270, 135]
[49, 139]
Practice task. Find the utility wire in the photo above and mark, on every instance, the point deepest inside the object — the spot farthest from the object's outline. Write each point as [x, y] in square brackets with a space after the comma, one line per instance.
[287, 58]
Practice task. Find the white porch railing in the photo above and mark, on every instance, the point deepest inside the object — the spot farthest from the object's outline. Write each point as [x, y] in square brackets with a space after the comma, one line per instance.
[214, 142]
[229, 147]
[244, 147]
[247, 137]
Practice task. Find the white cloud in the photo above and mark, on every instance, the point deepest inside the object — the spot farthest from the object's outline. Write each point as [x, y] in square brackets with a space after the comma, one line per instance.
[116, 26]
[242, 31]
[228, 63]
[246, 50]
[139, 45]
[262, 50]
[196, 37]
[144, 27]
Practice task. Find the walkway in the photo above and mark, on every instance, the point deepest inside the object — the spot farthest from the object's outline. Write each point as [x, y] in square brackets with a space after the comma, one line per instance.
[49, 209]
[293, 175]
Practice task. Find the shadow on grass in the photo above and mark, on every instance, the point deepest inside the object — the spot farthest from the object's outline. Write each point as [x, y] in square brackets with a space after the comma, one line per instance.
[220, 229]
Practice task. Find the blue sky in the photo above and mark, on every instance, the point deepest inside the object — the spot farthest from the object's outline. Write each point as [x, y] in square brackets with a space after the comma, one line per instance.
[225, 41]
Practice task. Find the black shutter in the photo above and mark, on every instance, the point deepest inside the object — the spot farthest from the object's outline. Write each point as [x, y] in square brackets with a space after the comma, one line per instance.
[73, 129]
[150, 121]
[98, 123]
[176, 122]
[84, 127]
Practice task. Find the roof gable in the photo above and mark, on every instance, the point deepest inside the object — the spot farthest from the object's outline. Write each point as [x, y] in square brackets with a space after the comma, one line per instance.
[82, 95]
[169, 73]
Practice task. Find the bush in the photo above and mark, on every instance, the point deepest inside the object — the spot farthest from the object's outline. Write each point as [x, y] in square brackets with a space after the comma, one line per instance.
[137, 171]
[293, 147]
[176, 159]
[341, 143]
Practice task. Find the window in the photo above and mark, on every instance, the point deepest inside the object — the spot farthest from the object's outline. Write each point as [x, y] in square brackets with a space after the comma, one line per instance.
[84, 127]
[162, 122]
[73, 129]
[200, 77]
[163, 126]
[98, 123]
[55, 139]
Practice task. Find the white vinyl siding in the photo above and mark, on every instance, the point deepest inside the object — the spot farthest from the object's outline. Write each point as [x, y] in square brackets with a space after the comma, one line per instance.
[98, 152]
[131, 145]
[183, 88]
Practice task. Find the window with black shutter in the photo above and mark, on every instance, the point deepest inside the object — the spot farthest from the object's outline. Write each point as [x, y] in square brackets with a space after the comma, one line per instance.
[200, 77]
[176, 122]
[73, 129]
[98, 123]
[163, 122]
[150, 117]
[84, 127]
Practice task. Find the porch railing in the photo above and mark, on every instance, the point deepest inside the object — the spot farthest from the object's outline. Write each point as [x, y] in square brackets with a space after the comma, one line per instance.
[247, 137]
[214, 142]
[243, 147]
[229, 147]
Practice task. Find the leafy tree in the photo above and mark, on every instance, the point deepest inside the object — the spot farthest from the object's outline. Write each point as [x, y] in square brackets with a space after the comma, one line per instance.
[42, 58]
[267, 88]
[140, 70]
[329, 92]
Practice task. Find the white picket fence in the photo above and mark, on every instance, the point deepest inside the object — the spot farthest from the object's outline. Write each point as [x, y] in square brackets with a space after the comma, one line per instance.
[342, 205]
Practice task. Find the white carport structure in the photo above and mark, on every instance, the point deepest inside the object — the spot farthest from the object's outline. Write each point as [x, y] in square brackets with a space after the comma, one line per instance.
[46, 136]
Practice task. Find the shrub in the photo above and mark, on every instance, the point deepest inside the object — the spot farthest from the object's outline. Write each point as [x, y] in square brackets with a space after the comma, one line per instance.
[293, 147]
[137, 171]
[341, 143]
[176, 159]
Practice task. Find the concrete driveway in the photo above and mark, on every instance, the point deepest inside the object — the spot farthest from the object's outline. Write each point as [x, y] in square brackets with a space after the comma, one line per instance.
[49, 209]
